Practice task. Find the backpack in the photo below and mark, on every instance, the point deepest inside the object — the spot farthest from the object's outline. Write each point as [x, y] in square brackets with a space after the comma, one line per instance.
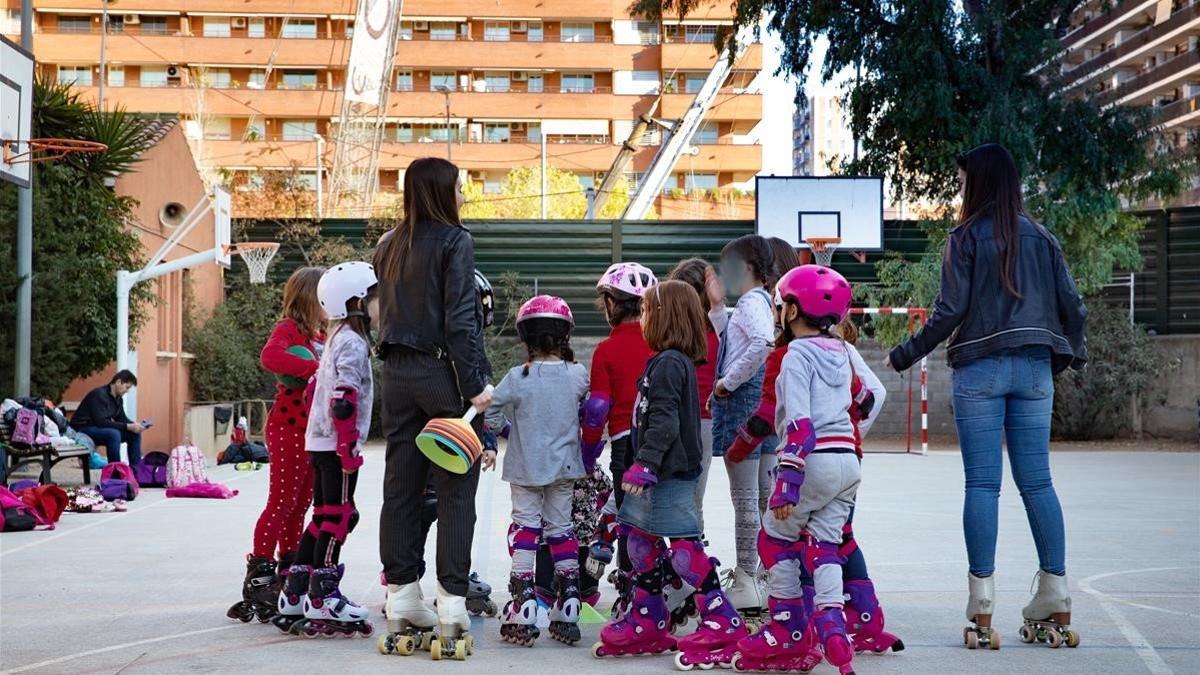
[119, 471]
[15, 516]
[113, 489]
[26, 428]
[185, 466]
[47, 502]
[152, 471]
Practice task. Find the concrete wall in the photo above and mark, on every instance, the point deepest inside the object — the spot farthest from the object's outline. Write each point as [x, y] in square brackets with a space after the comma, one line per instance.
[1179, 416]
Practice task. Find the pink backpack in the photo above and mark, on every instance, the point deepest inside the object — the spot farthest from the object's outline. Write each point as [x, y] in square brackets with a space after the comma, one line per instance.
[27, 427]
[186, 466]
[119, 471]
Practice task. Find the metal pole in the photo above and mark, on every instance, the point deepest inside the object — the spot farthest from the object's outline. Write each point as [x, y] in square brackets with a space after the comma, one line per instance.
[591, 204]
[448, 144]
[320, 173]
[1131, 301]
[24, 326]
[103, 63]
[542, 136]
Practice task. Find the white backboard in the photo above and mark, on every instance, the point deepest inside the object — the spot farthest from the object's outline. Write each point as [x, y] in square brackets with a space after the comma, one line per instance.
[222, 213]
[16, 108]
[794, 208]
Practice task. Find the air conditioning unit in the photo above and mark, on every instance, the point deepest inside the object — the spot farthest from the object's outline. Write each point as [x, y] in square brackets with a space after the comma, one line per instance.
[173, 72]
[131, 18]
[520, 76]
[520, 27]
[238, 22]
[420, 25]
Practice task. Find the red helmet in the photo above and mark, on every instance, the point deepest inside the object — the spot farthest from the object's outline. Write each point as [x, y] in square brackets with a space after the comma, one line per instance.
[546, 307]
[820, 292]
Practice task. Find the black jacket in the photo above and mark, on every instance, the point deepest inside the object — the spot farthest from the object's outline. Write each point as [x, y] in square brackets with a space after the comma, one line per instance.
[667, 417]
[980, 317]
[101, 409]
[433, 306]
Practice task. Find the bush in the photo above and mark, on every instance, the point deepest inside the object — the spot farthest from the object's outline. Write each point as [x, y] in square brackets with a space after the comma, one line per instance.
[500, 343]
[1122, 364]
[227, 345]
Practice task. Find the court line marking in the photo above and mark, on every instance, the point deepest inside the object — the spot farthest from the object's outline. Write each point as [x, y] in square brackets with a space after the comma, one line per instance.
[1141, 646]
[113, 648]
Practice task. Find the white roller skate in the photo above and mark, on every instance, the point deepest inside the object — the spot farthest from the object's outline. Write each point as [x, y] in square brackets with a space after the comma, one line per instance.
[746, 596]
[453, 639]
[410, 622]
[980, 602]
[1048, 615]
[328, 613]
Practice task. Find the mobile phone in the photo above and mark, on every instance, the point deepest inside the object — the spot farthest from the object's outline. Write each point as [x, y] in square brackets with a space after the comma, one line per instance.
[146, 424]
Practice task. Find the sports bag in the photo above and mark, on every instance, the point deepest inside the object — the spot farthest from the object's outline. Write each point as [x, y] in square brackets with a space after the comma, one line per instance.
[113, 489]
[122, 472]
[45, 502]
[15, 515]
[152, 471]
[185, 466]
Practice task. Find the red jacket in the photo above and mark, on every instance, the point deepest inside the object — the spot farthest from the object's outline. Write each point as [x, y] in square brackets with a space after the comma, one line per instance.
[619, 361]
[276, 359]
[766, 407]
[706, 374]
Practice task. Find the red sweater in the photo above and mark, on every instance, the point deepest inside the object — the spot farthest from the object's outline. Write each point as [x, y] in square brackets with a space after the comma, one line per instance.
[619, 361]
[706, 374]
[276, 359]
[766, 407]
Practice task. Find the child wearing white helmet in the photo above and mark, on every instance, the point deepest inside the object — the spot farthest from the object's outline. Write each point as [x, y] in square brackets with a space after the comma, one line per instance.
[341, 392]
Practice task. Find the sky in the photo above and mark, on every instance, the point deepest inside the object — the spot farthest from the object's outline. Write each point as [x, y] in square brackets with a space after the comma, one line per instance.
[779, 95]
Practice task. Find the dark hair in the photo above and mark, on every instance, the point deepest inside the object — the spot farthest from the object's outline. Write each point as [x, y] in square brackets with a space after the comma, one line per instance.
[694, 273]
[357, 318]
[993, 187]
[124, 376]
[430, 185]
[674, 320]
[785, 335]
[300, 303]
[785, 258]
[544, 336]
[755, 252]
[624, 307]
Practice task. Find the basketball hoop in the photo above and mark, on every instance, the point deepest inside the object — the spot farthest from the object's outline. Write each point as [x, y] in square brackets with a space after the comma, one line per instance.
[257, 256]
[48, 149]
[823, 248]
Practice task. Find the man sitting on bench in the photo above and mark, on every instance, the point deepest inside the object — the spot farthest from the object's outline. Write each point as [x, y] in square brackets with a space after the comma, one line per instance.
[101, 416]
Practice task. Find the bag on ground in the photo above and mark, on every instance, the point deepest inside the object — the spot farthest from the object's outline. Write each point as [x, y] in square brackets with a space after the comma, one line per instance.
[152, 471]
[47, 502]
[113, 489]
[15, 515]
[185, 467]
[122, 472]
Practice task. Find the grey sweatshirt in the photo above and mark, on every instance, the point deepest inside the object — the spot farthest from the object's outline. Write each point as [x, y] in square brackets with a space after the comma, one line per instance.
[543, 445]
[814, 383]
[346, 362]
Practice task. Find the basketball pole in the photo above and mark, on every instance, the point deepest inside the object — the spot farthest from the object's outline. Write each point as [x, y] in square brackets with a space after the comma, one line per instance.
[24, 336]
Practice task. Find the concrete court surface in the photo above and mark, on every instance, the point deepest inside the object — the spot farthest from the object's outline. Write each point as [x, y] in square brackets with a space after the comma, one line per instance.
[146, 591]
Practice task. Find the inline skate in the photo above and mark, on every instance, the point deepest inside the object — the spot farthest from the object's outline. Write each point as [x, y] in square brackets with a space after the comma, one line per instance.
[716, 638]
[409, 622]
[479, 597]
[864, 620]
[784, 644]
[453, 640]
[259, 590]
[1048, 614]
[642, 630]
[519, 623]
[328, 613]
[564, 614]
[290, 607]
[979, 612]
[830, 624]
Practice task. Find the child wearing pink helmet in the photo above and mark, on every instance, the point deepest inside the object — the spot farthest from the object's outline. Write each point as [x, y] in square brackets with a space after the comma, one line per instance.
[541, 399]
[817, 476]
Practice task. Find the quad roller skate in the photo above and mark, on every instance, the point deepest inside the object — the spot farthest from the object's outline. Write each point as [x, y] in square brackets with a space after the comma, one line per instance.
[328, 613]
[564, 614]
[1048, 615]
[259, 591]
[864, 620]
[745, 593]
[453, 640]
[479, 597]
[519, 623]
[290, 606]
[643, 629]
[410, 623]
[830, 624]
[979, 612]
[716, 638]
[785, 644]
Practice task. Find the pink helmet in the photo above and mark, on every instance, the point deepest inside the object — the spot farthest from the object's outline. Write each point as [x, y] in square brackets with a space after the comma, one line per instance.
[627, 278]
[545, 307]
[820, 292]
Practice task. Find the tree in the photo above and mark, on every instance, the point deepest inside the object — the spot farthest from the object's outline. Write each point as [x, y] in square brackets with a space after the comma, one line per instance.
[939, 77]
[520, 197]
[226, 345]
[80, 242]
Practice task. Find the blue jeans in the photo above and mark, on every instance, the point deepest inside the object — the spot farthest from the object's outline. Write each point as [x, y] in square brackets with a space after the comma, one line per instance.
[1008, 396]
[112, 439]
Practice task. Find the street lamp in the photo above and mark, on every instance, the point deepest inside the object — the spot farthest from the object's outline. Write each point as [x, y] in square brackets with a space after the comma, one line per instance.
[446, 92]
[103, 39]
[320, 172]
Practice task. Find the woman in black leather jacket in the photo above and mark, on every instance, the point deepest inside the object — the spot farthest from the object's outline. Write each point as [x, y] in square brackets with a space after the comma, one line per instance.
[1014, 318]
[431, 341]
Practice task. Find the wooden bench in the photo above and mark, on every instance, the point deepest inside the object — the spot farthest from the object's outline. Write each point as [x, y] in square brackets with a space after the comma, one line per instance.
[45, 455]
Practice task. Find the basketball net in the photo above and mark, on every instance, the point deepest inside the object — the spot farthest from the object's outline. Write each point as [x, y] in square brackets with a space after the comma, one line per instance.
[257, 257]
[822, 249]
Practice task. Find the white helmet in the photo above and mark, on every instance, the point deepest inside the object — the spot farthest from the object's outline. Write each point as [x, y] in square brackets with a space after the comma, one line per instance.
[342, 282]
[627, 278]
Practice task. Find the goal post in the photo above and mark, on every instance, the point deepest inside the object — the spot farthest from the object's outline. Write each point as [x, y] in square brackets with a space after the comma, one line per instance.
[916, 318]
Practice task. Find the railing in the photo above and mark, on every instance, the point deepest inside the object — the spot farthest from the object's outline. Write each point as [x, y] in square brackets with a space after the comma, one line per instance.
[551, 139]
[1158, 73]
[231, 85]
[1170, 111]
[512, 88]
[128, 29]
[1090, 67]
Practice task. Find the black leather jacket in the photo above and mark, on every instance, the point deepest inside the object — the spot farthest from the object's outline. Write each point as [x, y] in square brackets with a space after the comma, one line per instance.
[433, 306]
[980, 317]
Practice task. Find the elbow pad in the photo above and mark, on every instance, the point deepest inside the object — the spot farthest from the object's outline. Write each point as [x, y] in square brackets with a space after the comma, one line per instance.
[758, 426]
[798, 443]
[594, 416]
[863, 400]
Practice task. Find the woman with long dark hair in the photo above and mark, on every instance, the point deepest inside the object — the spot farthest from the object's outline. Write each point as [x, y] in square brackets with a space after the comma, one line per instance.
[1014, 318]
[431, 341]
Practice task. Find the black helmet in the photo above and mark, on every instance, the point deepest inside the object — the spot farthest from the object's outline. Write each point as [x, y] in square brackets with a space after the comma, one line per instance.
[486, 299]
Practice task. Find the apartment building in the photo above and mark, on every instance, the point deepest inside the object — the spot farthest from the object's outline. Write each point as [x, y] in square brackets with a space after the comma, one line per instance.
[821, 137]
[259, 84]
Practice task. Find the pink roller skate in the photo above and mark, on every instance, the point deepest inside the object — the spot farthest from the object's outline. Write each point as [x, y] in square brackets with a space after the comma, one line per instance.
[830, 625]
[643, 630]
[864, 620]
[782, 645]
[715, 640]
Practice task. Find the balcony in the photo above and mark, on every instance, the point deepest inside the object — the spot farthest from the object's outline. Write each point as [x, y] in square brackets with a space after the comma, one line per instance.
[702, 56]
[730, 106]
[1185, 111]
[180, 50]
[515, 55]
[231, 102]
[1154, 81]
[1179, 24]
[1107, 22]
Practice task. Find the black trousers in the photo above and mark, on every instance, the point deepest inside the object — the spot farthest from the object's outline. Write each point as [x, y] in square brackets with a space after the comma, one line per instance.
[334, 515]
[622, 456]
[416, 388]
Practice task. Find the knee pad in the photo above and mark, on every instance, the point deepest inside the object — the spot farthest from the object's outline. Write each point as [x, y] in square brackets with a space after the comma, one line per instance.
[690, 562]
[645, 550]
[523, 538]
[861, 599]
[563, 547]
[818, 554]
[337, 519]
[314, 528]
[773, 550]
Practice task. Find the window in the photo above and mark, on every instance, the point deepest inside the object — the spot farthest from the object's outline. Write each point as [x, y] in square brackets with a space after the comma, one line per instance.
[700, 181]
[647, 32]
[638, 82]
[305, 179]
[536, 84]
[497, 82]
[693, 82]
[257, 79]
[77, 75]
[255, 131]
[256, 27]
[535, 33]
[116, 76]
[442, 78]
[299, 79]
[153, 76]
[216, 26]
[299, 130]
[706, 134]
[497, 133]
[154, 25]
[578, 83]
[349, 30]
[533, 132]
[587, 180]
[578, 32]
[404, 133]
[74, 24]
[703, 34]
[10, 22]
[218, 128]
[406, 31]
[441, 30]
[299, 28]
[116, 23]
[404, 80]
[218, 78]
[496, 31]
[492, 185]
